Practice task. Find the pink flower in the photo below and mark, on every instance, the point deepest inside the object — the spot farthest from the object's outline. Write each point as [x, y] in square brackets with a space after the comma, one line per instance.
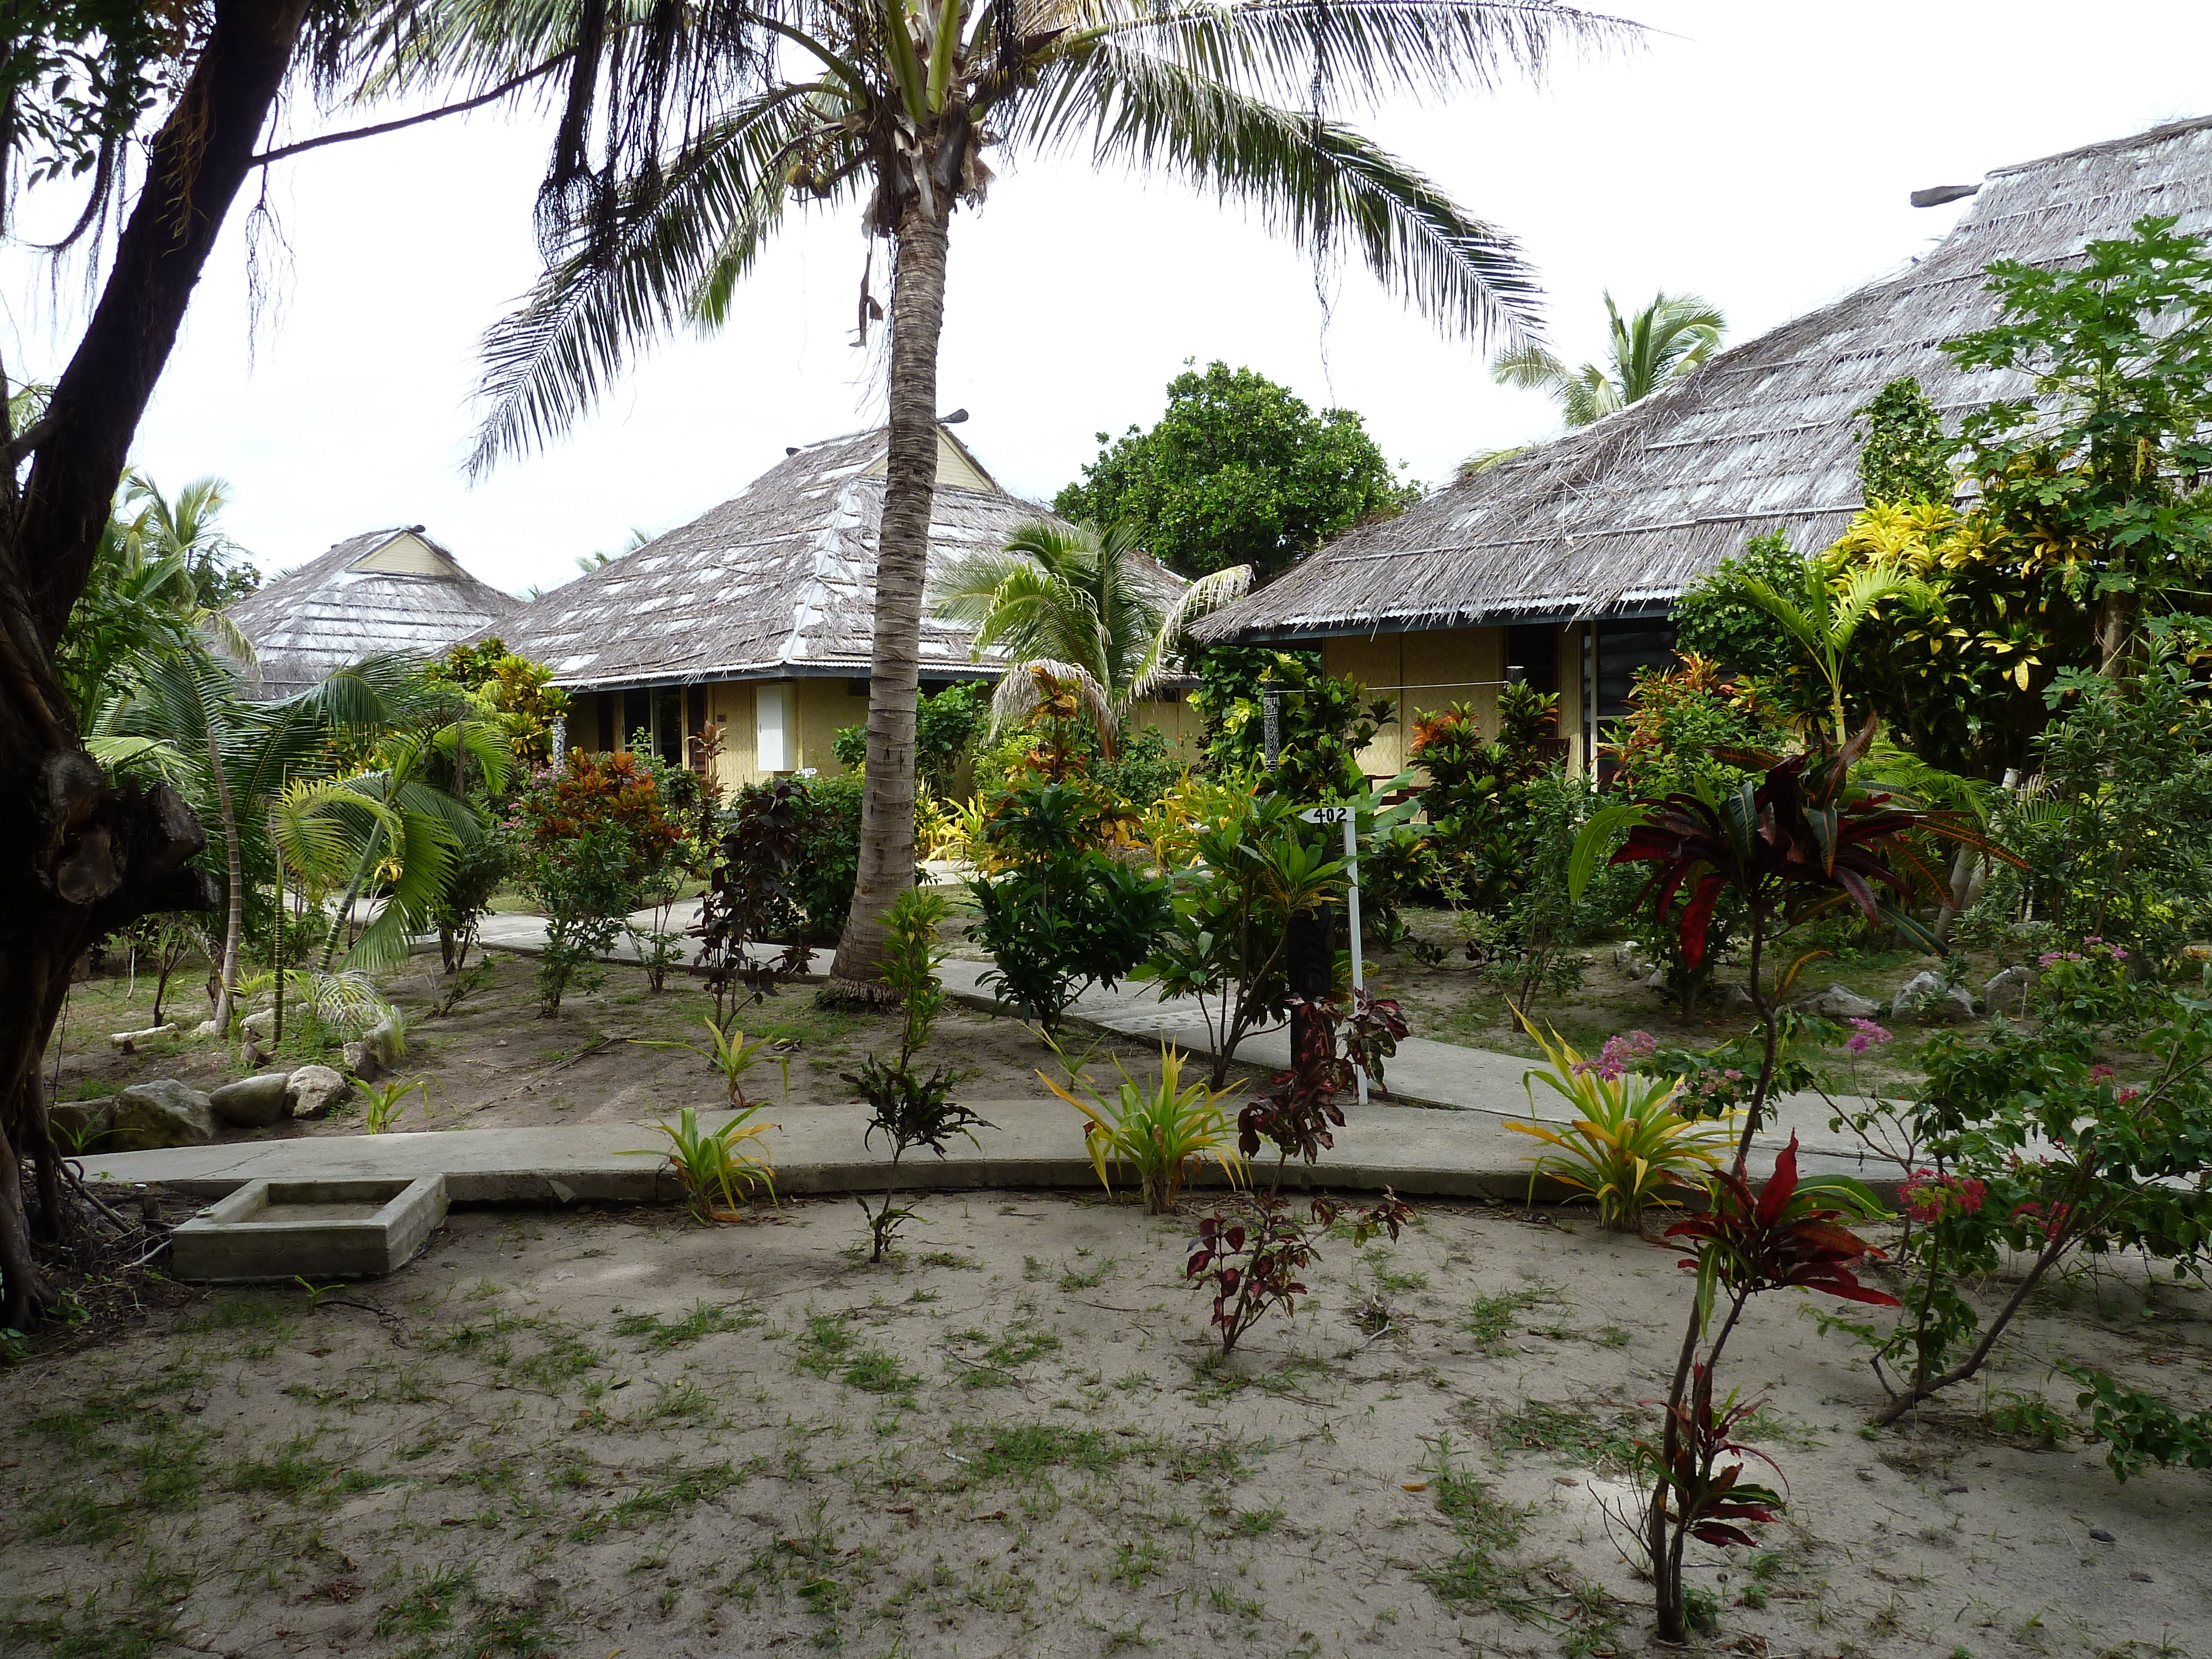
[1618, 1055]
[1927, 1196]
[1867, 1035]
[2119, 953]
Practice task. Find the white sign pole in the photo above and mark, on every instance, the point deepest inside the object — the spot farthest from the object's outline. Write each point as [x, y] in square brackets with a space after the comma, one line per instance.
[1349, 818]
[1352, 911]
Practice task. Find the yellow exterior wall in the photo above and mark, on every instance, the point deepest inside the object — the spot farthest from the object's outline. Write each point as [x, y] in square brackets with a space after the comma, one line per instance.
[729, 708]
[1419, 673]
[821, 706]
[1426, 670]
[1179, 723]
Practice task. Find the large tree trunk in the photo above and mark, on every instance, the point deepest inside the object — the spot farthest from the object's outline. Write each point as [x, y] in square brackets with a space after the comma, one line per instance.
[78, 856]
[901, 567]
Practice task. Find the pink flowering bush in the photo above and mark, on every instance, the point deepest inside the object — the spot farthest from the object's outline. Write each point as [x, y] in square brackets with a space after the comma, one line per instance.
[1927, 1196]
[1866, 1035]
[1619, 1056]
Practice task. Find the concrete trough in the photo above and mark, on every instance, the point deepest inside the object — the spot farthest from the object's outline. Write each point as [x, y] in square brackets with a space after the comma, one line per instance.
[311, 1230]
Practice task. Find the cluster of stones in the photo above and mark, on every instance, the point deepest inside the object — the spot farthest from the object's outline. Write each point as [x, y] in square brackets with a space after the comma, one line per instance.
[164, 1112]
[1927, 998]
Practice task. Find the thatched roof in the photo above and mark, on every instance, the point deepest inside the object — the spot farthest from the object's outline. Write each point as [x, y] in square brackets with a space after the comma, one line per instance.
[1618, 517]
[389, 589]
[778, 581]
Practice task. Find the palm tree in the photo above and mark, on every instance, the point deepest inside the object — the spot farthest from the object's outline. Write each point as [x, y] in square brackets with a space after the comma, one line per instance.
[186, 529]
[711, 122]
[1662, 343]
[1823, 615]
[238, 760]
[1068, 600]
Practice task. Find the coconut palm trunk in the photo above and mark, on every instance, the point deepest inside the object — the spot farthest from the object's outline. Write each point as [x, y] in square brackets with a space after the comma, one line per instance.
[902, 571]
[233, 928]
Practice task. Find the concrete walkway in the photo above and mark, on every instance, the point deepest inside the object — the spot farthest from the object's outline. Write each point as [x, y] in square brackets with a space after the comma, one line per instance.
[1424, 1073]
[1441, 1132]
[819, 1150]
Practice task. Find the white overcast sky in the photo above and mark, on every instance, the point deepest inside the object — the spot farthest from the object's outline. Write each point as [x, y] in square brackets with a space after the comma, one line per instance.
[1758, 152]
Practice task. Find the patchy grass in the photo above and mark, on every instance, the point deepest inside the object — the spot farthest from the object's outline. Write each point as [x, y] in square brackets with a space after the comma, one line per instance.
[658, 1335]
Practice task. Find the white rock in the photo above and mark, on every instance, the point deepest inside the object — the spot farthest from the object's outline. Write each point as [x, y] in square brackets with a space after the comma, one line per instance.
[315, 1089]
[1839, 1002]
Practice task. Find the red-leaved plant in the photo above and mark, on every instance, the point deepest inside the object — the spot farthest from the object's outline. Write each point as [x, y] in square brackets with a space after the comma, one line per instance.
[1700, 1487]
[1253, 1260]
[1804, 838]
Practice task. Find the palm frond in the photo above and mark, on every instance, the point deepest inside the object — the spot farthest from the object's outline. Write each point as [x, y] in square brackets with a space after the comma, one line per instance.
[1319, 182]
[1529, 366]
[677, 251]
[1019, 691]
[1365, 53]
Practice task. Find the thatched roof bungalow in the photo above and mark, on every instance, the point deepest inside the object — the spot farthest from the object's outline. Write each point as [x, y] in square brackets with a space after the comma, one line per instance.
[1563, 561]
[387, 590]
[759, 615]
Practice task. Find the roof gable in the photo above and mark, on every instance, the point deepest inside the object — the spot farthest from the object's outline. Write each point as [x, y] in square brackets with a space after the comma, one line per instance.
[780, 580]
[384, 591]
[408, 553]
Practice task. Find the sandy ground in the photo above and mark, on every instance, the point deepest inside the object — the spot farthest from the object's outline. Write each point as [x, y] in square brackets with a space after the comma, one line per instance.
[494, 1064]
[620, 1434]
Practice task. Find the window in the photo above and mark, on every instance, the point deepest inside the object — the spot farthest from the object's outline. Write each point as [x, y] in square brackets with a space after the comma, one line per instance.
[668, 725]
[775, 736]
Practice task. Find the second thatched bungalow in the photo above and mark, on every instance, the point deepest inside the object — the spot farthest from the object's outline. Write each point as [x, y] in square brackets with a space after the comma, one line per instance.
[1563, 561]
[759, 615]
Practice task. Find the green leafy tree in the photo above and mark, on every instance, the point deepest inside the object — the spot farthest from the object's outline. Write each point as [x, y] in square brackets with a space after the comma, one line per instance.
[1646, 351]
[1904, 455]
[1322, 721]
[1238, 472]
[517, 694]
[680, 149]
[588, 835]
[188, 89]
[2103, 467]
[1056, 911]
[1718, 618]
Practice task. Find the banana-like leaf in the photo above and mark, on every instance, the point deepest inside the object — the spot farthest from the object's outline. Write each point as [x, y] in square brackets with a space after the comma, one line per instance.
[1594, 838]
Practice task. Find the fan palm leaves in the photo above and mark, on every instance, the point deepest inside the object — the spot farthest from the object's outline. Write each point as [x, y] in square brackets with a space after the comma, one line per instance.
[688, 132]
[1073, 602]
[265, 774]
[1645, 350]
[1825, 613]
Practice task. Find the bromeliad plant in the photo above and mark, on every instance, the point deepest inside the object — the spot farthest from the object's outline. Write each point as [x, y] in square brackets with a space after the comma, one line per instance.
[1164, 1129]
[910, 1110]
[1627, 1146]
[715, 1167]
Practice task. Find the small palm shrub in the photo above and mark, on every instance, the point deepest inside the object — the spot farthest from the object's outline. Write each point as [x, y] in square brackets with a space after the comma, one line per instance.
[715, 1167]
